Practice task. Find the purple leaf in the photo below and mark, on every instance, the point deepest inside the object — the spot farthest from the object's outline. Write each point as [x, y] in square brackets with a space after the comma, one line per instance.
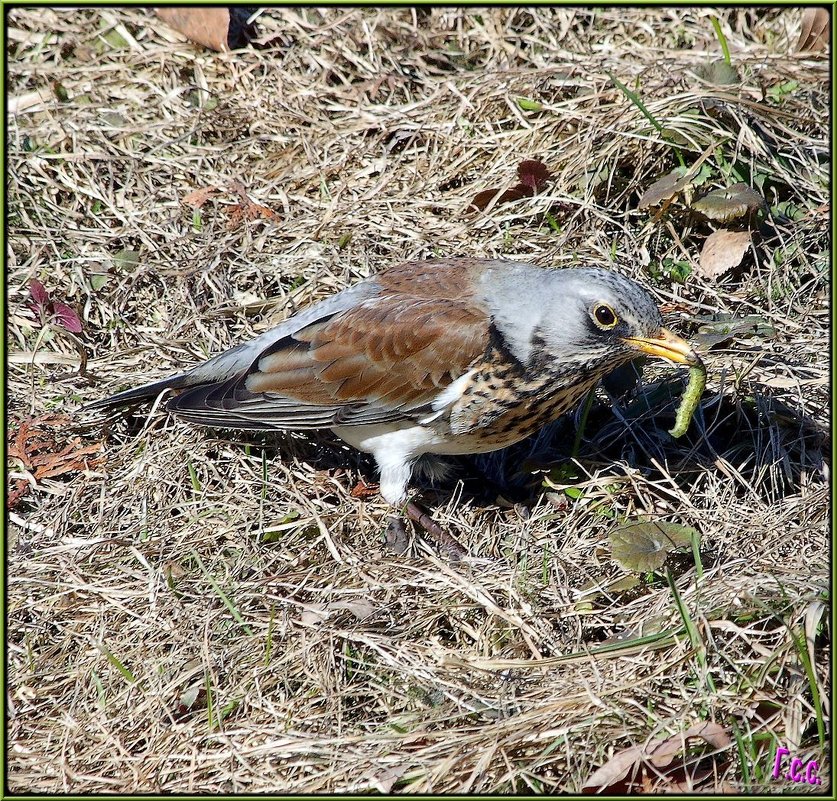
[66, 317]
[533, 173]
[39, 294]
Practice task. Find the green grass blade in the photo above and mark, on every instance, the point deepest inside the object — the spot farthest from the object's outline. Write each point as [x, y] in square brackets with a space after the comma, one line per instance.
[111, 657]
[222, 595]
[691, 630]
[637, 101]
[802, 648]
[716, 24]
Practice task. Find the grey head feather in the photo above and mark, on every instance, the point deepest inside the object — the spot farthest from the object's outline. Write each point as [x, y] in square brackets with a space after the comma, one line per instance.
[530, 305]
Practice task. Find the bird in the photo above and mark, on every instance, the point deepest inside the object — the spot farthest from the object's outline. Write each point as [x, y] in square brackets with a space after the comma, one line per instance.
[428, 358]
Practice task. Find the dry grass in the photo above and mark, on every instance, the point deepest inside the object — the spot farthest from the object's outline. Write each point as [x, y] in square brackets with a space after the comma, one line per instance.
[195, 614]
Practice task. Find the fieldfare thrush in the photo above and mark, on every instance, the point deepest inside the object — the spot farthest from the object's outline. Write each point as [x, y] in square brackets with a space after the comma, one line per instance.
[450, 356]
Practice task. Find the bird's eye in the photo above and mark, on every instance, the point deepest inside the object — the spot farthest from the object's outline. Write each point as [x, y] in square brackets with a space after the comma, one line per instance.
[604, 316]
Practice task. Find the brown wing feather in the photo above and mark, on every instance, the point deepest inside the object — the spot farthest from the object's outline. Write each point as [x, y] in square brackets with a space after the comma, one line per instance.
[395, 350]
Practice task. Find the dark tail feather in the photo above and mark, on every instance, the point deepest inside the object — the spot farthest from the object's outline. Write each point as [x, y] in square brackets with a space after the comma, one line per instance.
[137, 396]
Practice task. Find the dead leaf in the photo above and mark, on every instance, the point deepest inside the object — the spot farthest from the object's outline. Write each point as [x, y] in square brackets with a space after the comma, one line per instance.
[18, 491]
[616, 768]
[483, 199]
[813, 36]
[383, 782]
[364, 491]
[661, 753]
[658, 753]
[722, 251]
[219, 29]
[315, 613]
[665, 188]
[361, 608]
[246, 209]
[28, 102]
[533, 176]
[733, 203]
[191, 699]
[41, 445]
[198, 197]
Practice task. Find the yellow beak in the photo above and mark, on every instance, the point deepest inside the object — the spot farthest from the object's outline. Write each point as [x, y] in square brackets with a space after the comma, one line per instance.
[665, 346]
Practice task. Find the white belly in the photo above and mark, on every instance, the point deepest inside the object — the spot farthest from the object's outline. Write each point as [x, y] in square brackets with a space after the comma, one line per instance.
[414, 440]
[396, 446]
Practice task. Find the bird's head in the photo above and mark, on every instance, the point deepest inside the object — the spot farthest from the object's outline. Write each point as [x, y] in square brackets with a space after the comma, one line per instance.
[592, 320]
[614, 316]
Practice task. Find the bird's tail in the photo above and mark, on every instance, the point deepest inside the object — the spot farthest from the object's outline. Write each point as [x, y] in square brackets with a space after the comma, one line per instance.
[138, 395]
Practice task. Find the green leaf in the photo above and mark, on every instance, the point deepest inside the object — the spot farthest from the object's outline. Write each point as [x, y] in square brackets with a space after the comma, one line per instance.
[126, 260]
[718, 72]
[98, 280]
[222, 595]
[280, 528]
[114, 39]
[112, 658]
[677, 270]
[552, 222]
[724, 205]
[778, 91]
[716, 329]
[642, 546]
[528, 105]
[716, 24]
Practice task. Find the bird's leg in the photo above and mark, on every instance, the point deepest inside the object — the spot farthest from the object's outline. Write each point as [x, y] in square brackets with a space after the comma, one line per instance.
[396, 468]
[447, 543]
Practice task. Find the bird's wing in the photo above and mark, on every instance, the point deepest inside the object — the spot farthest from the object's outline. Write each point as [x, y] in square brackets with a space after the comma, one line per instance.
[387, 357]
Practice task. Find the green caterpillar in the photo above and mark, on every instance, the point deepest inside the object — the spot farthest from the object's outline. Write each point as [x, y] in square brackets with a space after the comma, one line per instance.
[690, 399]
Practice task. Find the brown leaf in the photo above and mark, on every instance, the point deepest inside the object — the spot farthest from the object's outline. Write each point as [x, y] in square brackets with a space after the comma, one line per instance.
[209, 27]
[662, 752]
[483, 199]
[813, 37]
[364, 491]
[658, 753]
[18, 491]
[71, 460]
[616, 768]
[198, 197]
[44, 451]
[722, 251]
[533, 176]
[246, 209]
[664, 189]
